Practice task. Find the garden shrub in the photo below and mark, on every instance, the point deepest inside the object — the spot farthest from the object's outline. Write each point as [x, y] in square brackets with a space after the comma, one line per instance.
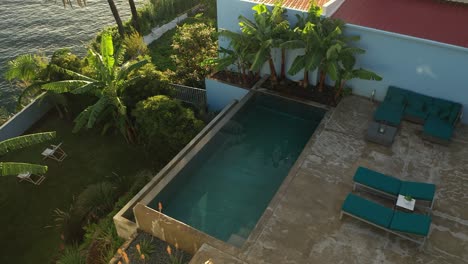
[164, 125]
[72, 255]
[193, 44]
[135, 46]
[151, 82]
[158, 12]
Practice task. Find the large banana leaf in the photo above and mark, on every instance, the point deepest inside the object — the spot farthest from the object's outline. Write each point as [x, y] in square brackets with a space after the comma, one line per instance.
[24, 141]
[15, 168]
[107, 51]
[63, 86]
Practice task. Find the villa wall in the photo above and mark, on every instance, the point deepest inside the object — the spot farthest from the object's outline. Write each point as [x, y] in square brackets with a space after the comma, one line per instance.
[24, 119]
[423, 66]
[227, 19]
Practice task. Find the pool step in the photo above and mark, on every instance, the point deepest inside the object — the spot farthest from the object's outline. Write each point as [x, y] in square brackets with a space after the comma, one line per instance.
[236, 240]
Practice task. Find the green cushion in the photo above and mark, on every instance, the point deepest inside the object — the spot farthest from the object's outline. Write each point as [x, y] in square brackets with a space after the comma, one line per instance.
[415, 101]
[398, 99]
[438, 128]
[412, 113]
[433, 110]
[442, 104]
[393, 90]
[389, 113]
[411, 223]
[454, 113]
[367, 210]
[418, 190]
[445, 114]
[377, 180]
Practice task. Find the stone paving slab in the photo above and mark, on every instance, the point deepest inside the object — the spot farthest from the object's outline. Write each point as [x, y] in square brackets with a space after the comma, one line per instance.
[304, 226]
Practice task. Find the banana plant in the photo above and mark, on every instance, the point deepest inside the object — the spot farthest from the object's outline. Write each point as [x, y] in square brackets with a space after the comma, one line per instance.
[240, 53]
[262, 30]
[344, 70]
[16, 143]
[111, 78]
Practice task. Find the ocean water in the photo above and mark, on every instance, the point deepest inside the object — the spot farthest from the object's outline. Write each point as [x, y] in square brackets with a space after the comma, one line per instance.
[29, 26]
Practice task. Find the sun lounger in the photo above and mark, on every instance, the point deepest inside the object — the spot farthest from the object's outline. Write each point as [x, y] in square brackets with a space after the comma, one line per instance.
[55, 152]
[391, 187]
[406, 225]
[27, 176]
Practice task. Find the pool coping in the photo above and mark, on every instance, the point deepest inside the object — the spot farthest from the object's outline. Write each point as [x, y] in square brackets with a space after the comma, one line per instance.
[190, 239]
[125, 227]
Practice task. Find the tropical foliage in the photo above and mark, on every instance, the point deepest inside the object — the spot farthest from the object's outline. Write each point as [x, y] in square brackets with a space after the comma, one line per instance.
[156, 12]
[266, 29]
[16, 143]
[108, 82]
[325, 47]
[164, 123]
[192, 44]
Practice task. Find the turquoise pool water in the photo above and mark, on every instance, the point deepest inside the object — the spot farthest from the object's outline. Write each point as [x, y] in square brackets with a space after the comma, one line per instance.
[226, 187]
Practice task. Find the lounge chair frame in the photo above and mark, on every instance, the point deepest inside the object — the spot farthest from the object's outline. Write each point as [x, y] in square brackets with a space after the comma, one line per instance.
[394, 197]
[56, 153]
[402, 235]
[27, 177]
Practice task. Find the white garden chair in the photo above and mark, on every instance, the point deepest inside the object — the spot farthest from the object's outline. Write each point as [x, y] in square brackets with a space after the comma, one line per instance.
[27, 176]
[55, 152]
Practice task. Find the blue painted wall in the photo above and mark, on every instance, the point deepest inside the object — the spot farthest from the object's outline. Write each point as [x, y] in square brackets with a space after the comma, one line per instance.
[423, 66]
[220, 94]
[228, 14]
[23, 120]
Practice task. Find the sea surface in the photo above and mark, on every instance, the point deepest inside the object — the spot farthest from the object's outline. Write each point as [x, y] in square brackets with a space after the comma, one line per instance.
[31, 26]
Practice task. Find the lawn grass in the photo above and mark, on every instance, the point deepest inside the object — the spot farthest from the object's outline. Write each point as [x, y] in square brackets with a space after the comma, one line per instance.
[27, 209]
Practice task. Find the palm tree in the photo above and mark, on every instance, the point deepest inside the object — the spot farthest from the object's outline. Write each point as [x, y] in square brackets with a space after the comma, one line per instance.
[113, 8]
[134, 15]
[263, 31]
[29, 71]
[14, 168]
[108, 84]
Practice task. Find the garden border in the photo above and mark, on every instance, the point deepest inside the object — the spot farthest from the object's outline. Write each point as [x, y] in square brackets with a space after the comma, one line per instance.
[24, 119]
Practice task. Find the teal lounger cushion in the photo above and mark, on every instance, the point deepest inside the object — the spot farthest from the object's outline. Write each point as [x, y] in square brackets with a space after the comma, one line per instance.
[377, 180]
[418, 190]
[367, 210]
[411, 223]
[396, 95]
[438, 128]
[389, 113]
[414, 113]
[455, 113]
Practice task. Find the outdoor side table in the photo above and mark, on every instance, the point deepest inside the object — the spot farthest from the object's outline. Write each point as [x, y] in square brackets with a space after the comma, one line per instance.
[381, 133]
[405, 204]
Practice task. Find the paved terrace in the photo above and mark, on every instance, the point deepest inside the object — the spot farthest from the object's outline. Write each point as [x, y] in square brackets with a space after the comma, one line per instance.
[304, 226]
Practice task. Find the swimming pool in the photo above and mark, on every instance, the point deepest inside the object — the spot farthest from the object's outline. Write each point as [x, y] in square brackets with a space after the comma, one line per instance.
[226, 187]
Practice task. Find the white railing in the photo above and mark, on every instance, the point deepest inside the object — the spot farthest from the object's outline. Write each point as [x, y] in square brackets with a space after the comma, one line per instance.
[192, 95]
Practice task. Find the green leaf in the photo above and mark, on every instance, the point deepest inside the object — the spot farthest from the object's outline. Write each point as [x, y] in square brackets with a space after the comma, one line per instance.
[260, 58]
[107, 51]
[297, 65]
[366, 75]
[332, 70]
[63, 86]
[24, 141]
[15, 168]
